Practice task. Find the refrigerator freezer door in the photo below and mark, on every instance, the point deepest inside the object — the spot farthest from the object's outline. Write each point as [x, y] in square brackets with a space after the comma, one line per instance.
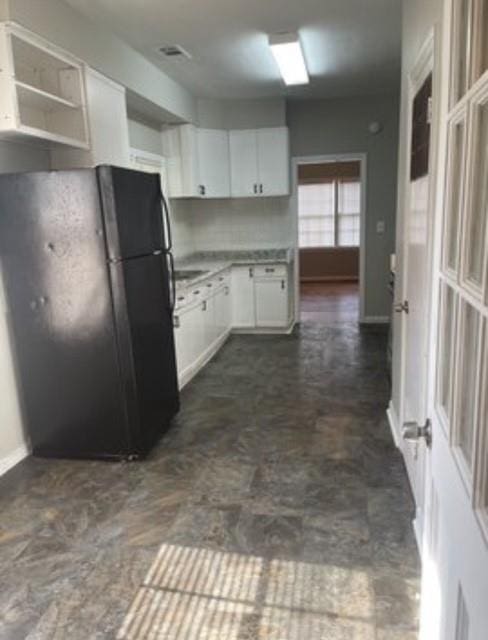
[145, 333]
[60, 314]
[133, 215]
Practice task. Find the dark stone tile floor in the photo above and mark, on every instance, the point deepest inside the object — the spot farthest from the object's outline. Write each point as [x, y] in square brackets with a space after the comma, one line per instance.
[276, 508]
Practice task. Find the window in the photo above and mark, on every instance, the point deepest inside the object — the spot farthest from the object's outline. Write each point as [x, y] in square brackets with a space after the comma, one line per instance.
[329, 205]
[316, 215]
[349, 208]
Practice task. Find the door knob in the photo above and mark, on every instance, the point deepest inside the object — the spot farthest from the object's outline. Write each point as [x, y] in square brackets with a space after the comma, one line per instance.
[413, 432]
[401, 307]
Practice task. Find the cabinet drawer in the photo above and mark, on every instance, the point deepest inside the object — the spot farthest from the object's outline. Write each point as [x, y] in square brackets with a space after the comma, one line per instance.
[270, 270]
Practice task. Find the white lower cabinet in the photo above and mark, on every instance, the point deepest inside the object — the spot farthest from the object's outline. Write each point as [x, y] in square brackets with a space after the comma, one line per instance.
[243, 313]
[223, 310]
[189, 337]
[251, 297]
[271, 302]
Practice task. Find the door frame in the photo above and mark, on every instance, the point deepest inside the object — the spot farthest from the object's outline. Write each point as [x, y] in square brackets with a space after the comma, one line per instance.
[296, 161]
[427, 61]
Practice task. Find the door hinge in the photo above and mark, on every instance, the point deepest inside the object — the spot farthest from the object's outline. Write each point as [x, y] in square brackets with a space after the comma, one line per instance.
[402, 307]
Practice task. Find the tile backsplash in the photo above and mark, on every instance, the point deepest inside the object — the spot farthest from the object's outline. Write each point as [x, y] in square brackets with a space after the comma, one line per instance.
[245, 223]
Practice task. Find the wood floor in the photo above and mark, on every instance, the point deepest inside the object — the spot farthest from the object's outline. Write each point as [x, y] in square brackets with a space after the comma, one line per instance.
[329, 302]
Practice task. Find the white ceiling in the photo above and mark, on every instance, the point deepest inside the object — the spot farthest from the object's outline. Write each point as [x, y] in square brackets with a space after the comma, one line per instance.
[351, 46]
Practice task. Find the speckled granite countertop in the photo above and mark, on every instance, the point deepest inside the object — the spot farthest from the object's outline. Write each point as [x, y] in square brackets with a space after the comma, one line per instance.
[213, 262]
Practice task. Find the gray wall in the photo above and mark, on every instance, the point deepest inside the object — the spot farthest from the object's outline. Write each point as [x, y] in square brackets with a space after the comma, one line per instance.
[419, 16]
[145, 136]
[339, 126]
[13, 157]
[241, 114]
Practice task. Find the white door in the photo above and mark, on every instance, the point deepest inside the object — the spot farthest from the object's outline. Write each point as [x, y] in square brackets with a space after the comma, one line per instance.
[414, 304]
[455, 549]
[214, 163]
[273, 161]
[271, 299]
[243, 313]
[244, 163]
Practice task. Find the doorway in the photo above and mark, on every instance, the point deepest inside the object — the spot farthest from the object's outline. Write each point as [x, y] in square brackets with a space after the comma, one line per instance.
[329, 201]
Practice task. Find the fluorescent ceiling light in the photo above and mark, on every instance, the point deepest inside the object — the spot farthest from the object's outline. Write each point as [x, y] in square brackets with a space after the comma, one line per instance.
[288, 53]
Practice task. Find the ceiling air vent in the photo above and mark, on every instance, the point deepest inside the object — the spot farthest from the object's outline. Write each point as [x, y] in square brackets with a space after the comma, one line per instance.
[173, 51]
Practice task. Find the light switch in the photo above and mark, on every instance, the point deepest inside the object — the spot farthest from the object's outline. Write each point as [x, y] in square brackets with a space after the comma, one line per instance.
[380, 226]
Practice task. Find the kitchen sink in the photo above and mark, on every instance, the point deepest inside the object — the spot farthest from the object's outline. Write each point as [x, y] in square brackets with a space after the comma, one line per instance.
[188, 274]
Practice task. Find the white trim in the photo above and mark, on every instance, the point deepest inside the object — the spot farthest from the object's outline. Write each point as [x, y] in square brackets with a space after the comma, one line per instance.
[375, 320]
[8, 462]
[418, 532]
[394, 426]
[341, 157]
[262, 331]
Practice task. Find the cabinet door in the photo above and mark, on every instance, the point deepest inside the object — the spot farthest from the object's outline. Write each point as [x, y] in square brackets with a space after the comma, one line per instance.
[189, 167]
[243, 163]
[271, 302]
[213, 163]
[109, 131]
[243, 297]
[189, 338]
[209, 321]
[222, 311]
[273, 161]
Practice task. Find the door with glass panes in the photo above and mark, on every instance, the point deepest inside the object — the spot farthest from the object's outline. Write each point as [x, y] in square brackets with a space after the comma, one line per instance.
[455, 546]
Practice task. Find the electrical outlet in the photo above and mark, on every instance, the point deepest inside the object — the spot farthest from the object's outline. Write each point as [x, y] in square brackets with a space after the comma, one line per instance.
[380, 226]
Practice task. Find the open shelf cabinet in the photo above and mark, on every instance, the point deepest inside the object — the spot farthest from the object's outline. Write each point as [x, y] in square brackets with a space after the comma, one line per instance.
[42, 93]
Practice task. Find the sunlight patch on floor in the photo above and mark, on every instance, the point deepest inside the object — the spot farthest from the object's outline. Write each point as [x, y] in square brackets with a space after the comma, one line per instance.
[200, 594]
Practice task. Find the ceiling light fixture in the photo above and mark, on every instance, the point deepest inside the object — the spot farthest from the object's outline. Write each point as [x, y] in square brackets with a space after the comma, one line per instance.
[288, 54]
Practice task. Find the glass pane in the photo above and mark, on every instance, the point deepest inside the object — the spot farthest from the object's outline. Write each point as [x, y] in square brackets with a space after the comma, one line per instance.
[316, 215]
[461, 39]
[479, 206]
[348, 230]
[483, 39]
[467, 382]
[446, 335]
[349, 207]
[349, 197]
[456, 148]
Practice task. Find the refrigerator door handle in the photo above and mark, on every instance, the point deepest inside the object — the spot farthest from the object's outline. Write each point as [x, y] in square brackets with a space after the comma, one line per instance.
[166, 223]
[172, 280]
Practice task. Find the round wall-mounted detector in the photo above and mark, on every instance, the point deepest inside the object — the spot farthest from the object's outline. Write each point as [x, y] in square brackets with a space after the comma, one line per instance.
[374, 127]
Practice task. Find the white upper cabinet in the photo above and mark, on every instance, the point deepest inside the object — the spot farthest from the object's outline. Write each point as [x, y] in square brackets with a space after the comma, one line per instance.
[273, 161]
[41, 91]
[213, 163]
[198, 162]
[259, 162]
[109, 132]
[244, 164]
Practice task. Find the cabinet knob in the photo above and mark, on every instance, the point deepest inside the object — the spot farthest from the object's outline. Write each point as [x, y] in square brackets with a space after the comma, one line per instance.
[176, 322]
[282, 284]
[255, 188]
[260, 188]
[251, 272]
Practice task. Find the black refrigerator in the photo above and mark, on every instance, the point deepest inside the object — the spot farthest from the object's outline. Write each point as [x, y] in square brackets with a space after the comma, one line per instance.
[88, 276]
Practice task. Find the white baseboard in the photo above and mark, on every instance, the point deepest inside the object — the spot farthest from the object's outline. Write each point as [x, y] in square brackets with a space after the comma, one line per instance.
[393, 422]
[7, 462]
[375, 320]
[263, 331]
